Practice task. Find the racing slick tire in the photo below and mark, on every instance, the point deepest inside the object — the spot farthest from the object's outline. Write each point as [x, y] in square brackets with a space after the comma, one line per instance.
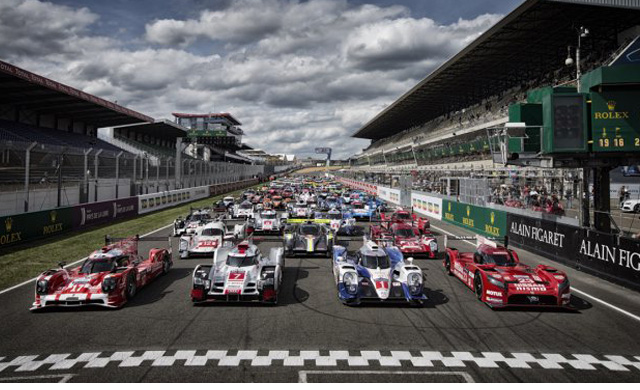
[166, 265]
[447, 264]
[131, 288]
[478, 286]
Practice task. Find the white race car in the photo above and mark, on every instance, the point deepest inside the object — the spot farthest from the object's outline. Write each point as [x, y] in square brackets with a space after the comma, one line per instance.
[300, 210]
[267, 221]
[243, 210]
[240, 273]
[191, 223]
[228, 201]
[207, 238]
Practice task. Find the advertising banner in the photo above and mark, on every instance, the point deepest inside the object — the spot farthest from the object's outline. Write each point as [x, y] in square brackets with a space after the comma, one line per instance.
[370, 188]
[481, 220]
[427, 205]
[389, 194]
[19, 228]
[161, 200]
[547, 238]
[96, 213]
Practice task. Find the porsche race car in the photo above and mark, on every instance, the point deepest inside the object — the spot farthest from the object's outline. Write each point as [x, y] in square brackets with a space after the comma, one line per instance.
[407, 238]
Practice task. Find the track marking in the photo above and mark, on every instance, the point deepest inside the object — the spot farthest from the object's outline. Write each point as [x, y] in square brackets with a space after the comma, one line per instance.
[6, 290]
[303, 375]
[324, 359]
[64, 378]
[573, 289]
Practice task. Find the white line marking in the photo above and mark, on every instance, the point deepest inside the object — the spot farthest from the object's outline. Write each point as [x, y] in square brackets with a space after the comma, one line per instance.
[6, 290]
[64, 378]
[573, 289]
[303, 375]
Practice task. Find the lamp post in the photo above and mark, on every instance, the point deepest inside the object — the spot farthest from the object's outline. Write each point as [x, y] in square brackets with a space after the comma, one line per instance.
[583, 32]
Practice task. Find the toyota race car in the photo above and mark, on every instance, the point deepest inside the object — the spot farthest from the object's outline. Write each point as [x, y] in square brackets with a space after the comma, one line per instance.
[109, 277]
[377, 274]
[240, 273]
[499, 279]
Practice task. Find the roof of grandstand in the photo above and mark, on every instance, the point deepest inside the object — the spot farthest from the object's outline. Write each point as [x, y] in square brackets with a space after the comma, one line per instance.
[45, 96]
[163, 128]
[221, 115]
[530, 41]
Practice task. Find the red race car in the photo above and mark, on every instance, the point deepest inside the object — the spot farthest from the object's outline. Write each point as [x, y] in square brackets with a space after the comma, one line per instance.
[407, 238]
[499, 279]
[403, 216]
[109, 277]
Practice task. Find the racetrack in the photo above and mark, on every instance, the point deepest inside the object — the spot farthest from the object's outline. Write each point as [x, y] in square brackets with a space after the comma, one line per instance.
[161, 336]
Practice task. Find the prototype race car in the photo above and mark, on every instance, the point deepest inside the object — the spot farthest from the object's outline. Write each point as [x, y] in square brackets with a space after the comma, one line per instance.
[378, 274]
[408, 239]
[300, 210]
[190, 224]
[228, 201]
[267, 222]
[109, 277]
[308, 238]
[403, 216]
[360, 210]
[496, 275]
[243, 210]
[240, 273]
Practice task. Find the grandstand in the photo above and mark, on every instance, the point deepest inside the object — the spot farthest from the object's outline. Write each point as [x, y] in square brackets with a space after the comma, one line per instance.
[60, 146]
[440, 128]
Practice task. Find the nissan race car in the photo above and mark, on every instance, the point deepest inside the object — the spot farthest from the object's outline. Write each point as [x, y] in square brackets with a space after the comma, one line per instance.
[408, 239]
[109, 277]
[267, 222]
[243, 210]
[206, 239]
[499, 279]
[240, 273]
[307, 238]
[190, 224]
[403, 216]
[376, 274]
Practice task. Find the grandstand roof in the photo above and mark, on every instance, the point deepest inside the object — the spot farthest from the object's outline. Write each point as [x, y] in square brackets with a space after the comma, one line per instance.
[45, 96]
[221, 115]
[163, 129]
[527, 43]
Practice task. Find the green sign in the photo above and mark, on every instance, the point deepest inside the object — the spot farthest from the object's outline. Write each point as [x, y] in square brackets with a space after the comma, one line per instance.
[207, 133]
[482, 220]
[615, 120]
[19, 228]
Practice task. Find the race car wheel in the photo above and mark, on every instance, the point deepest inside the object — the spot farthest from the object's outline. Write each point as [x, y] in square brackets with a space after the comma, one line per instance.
[166, 265]
[477, 285]
[447, 264]
[131, 287]
[636, 208]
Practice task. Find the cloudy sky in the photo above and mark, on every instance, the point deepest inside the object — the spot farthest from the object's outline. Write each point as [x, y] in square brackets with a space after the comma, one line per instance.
[297, 74]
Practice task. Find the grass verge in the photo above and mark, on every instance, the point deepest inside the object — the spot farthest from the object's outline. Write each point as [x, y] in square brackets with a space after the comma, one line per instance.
[28, 262]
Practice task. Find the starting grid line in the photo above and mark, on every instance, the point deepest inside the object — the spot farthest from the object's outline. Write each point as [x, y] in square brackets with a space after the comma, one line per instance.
[224, 358]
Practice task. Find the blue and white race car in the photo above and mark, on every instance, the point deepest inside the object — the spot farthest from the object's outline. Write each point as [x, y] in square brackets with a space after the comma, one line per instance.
[376, 274]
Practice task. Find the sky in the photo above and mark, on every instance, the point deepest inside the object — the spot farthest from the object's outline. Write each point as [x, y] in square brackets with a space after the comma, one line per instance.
[297, 74]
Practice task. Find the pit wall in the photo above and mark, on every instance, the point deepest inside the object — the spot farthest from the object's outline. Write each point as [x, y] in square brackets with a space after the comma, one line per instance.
[608, 256]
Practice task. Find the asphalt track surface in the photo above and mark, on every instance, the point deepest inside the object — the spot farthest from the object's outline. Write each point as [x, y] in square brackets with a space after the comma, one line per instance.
[310, 336]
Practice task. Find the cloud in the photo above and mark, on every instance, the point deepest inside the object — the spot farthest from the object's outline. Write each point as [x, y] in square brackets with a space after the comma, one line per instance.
[298, 74]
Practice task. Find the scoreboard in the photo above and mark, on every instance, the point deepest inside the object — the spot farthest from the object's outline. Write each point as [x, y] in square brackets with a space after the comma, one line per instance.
[615, 120]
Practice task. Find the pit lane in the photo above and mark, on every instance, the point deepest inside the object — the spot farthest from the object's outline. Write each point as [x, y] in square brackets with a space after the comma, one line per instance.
[161, 324]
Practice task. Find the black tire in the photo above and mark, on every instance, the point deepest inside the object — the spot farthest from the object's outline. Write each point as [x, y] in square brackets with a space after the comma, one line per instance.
[447, 264]
[166, 265]
[131, 288]
[478, 286]
[636, 208]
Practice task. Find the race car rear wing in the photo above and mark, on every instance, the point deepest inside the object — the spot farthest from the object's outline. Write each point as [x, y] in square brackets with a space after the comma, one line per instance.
[480, 240]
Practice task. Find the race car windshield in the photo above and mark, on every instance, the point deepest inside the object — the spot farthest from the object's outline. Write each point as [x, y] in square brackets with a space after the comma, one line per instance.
[93, 266]
[372, 262]
[405, 233]
[268, 216]
[240, 261]
[309, 230]
[499, 259]
[246, 206]
[212, 232]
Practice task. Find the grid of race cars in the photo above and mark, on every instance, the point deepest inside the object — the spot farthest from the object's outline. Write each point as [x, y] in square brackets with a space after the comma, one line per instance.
[307, 217]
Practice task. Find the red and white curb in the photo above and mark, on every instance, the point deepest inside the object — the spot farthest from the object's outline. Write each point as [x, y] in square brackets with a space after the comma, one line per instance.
[188, 358]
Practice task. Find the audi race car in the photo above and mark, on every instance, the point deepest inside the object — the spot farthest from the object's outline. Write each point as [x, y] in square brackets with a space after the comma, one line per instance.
[210, 236]
[307, 238]
[408, 239]
[376, 274]
[300, 210]
[240, 273]
[267, 222]
[109, 277]
[190, 224]
[243, 210]
[499, 279]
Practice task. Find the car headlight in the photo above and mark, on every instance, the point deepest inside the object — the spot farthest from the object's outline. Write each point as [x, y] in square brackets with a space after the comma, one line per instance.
[109, 284]
[42, 286]
[433, 245]
[350, 280]
[498, 283]
[563, 284]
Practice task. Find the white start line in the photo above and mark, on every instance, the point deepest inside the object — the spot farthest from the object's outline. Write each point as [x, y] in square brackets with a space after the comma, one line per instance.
[573, 289]
[224, 358]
